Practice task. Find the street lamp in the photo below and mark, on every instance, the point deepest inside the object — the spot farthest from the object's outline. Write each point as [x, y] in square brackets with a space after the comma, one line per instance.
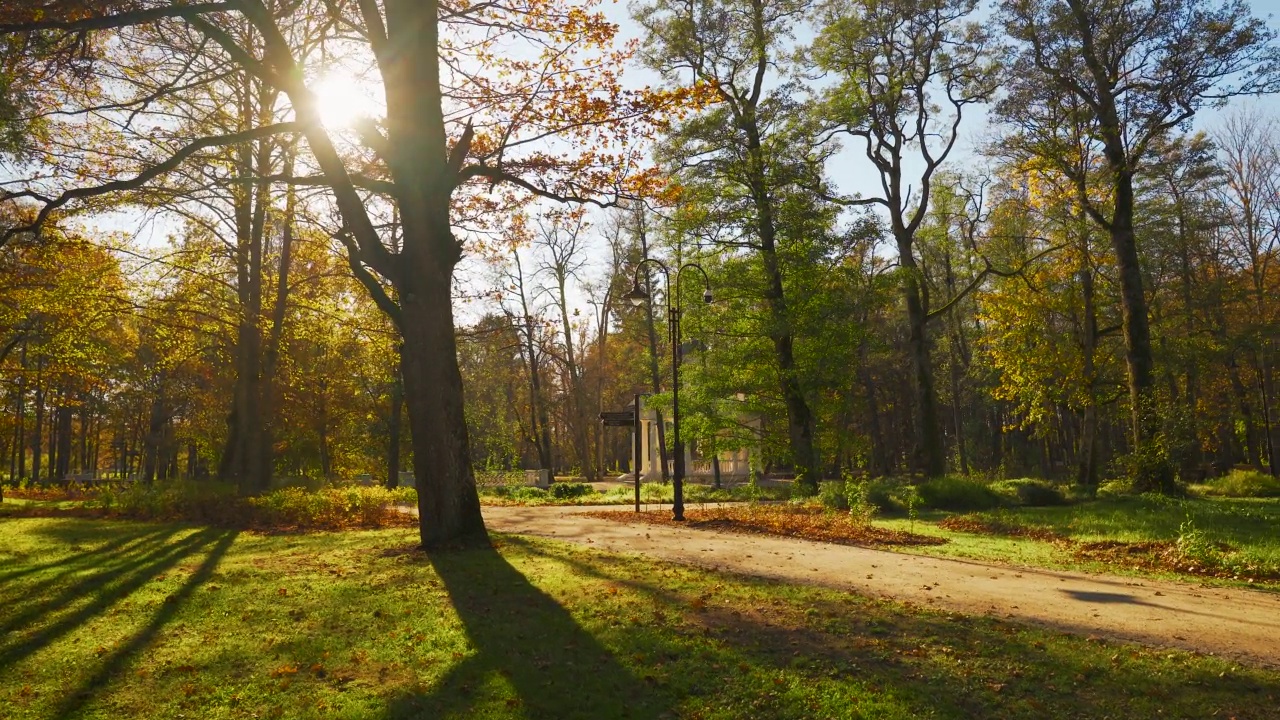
[638, 296]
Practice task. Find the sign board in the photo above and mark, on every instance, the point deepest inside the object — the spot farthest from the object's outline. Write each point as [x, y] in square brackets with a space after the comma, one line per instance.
[619, 418]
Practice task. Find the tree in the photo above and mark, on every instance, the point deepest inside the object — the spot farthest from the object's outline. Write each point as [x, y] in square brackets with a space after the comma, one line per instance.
[906, 71]
[1131, 71]
[741, 153]
[467, 128]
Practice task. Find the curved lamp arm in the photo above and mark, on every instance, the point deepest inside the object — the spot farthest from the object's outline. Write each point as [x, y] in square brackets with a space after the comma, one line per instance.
[706, 280]
[638, 296]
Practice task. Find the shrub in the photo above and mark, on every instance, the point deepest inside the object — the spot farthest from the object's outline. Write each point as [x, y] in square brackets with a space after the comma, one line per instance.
[881, 496]
[1033, 493]
[956, 493]
[832, 495]
[332, 507]
[527, 492]
[1244, 484]
[404, 496]
[183, 500]
[570, 490]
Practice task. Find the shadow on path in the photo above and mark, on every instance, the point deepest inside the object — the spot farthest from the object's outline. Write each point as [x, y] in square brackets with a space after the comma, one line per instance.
[524, 638]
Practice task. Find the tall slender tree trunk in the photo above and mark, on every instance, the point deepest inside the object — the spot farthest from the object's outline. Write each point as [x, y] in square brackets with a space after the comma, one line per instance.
[1087, 468]
[655, 373]
[21, 448]
[62, 467]
[932, 455]
[393, 428]
[37, 445]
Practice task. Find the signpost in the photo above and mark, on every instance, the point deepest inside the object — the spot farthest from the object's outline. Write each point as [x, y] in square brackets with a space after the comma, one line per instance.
[631, 419]
[620, 418]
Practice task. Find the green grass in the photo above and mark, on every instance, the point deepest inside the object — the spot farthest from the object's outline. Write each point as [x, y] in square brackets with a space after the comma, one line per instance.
[113, 619]
[1248, 525]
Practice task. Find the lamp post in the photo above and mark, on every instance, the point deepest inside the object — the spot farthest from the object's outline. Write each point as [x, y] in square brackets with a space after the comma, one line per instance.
[638, 296]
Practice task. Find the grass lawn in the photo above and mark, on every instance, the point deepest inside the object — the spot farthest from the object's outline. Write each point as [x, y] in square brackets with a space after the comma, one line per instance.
[1249, 527]
[115, 619]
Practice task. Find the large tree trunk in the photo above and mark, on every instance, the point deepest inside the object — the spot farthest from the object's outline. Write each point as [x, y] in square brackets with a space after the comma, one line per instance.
[655, 373]
[447, 499]
[21, 449]
[933, 456]
[1153, 473]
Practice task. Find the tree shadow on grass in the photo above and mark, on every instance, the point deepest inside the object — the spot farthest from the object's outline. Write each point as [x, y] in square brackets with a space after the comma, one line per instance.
[102, 590]
[118, 660]
[530, 658]
[113, 544]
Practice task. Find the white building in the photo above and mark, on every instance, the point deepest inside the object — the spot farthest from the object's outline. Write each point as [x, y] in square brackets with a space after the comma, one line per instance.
[734, 464]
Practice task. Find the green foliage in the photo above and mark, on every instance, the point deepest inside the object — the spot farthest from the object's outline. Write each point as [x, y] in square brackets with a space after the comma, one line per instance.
[569, 490]
[528, 492]
[200, 502]
[831, 493]
[366, 506]
[1243, 484]
[957, 493]
[848, 494]
[888, 498]
[1028, 491]
[216, 503]
[1195, 546]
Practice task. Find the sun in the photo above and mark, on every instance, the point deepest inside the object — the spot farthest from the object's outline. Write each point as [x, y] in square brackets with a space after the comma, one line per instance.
[342, 99]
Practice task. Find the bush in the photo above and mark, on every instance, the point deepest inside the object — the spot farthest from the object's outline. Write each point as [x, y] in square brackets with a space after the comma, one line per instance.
[404, 496]
[527, 492]
[570, 490]
[183, 500]
[332, 507]
[1033, 493]
[956, 493]
[293, 507]
[831, 494]
[881, 496]
[1244, 484]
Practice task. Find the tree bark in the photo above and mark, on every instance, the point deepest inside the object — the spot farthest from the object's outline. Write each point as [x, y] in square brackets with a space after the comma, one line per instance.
[434, 397]
[393, 429]
[63, 464]
[38, 426]
[932, 454]
[1087, 468]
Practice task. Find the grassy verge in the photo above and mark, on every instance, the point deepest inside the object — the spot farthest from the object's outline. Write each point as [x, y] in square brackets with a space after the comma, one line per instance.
[121, 620]
[1229, 539]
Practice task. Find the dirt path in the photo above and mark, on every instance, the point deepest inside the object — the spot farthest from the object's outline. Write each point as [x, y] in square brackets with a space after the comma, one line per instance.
[1238, 624]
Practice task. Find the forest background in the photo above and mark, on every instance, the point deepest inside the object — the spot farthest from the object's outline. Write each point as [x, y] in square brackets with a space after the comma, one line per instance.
[1037, 238]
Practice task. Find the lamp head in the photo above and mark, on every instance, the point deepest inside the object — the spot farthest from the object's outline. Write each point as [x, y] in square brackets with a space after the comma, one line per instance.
[637, 296]
[706, 296]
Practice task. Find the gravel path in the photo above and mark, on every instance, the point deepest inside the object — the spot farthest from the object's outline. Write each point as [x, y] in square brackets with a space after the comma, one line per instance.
[1234, 623]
